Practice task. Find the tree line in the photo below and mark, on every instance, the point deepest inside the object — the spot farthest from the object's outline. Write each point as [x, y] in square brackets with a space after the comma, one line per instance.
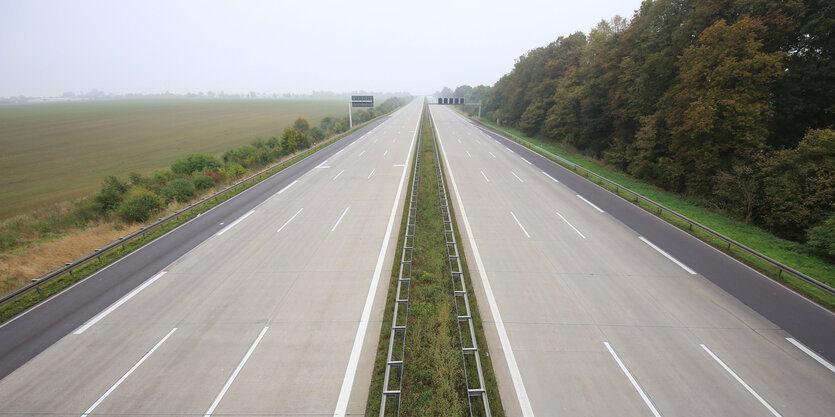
[727, 101]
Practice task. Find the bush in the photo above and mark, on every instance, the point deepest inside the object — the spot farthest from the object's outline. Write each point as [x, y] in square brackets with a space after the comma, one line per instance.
[822, 237]
[179, 189]
[233, 170]
[139, 205]
[136, 178]
[301, 125]
[316, 134]
[203, 182]
[110, 195]
[86, 210]
[195, 163]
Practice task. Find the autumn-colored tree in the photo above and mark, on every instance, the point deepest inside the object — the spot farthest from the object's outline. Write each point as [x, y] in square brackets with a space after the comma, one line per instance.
[718, 112]
[799, 185]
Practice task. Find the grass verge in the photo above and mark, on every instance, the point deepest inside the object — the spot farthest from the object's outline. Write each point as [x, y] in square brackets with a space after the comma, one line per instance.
[44, 291]
[792, 254]
[433, 371]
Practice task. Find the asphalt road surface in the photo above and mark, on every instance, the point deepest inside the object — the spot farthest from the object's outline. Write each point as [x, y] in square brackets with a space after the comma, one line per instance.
[586, 316]
[260, 306]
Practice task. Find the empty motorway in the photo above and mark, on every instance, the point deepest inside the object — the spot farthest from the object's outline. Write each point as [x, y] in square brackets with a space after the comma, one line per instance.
[265, 313]
[271, 303]
[586, 313]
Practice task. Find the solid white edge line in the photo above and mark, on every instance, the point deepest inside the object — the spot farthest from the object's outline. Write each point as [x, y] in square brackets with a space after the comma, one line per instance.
[235, 374]
[287, 186]
[323, 163]
[353, 360]
[517, 177]
[809, 352]
[552, 178]
[667, 255]
[520, 224]
[371, 173]
[118, 303]
[288, 221]
[127, 374]
[571, 225]
[738, 379]
[510, 358]
[590, 203]
[632, 380]
[485, 176]
[340, 219]
[529, 162]
[340, 151]
[233, 224]
[337, 175]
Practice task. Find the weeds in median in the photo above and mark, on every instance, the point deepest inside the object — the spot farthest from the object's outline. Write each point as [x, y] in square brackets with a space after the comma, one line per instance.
[433, 373]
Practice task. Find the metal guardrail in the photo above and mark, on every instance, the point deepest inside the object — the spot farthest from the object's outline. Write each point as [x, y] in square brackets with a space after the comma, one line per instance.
[96, 254]
[469, 347]
[660, 209]
[397, 337]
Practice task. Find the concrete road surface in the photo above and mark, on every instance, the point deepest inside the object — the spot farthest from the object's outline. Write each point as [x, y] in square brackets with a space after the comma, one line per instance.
[593, 307]
[276, 311]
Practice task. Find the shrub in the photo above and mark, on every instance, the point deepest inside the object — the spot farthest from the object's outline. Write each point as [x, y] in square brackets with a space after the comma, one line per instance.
[822, 237]
[195, 163]
[203, 182]
[139, 205]
[179, 189]
[110, 195]
[86, 210]
[233, 170]
[316, 134]
[291, 140]
[301, 125]
[136, 178]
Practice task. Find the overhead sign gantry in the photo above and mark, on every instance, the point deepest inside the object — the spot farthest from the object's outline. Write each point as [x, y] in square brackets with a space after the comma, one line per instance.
[358, 101]
[459, 101]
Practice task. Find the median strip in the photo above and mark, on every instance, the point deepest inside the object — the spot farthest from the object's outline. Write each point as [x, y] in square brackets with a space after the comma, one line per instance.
[439, 369]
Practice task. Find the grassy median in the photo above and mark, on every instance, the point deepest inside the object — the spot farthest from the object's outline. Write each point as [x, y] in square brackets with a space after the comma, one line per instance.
[433, 370]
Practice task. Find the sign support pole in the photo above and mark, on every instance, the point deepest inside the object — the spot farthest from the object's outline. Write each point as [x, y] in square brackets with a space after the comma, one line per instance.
[350, 117]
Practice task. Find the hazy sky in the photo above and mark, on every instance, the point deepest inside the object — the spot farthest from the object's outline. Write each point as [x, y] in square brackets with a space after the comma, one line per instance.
[51, 46]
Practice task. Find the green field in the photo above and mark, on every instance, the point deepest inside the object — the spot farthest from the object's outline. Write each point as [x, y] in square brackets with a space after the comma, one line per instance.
[55, 152]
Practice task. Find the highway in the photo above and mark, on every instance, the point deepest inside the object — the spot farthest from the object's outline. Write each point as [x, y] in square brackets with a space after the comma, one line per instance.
[593, 307]
[269, 304]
